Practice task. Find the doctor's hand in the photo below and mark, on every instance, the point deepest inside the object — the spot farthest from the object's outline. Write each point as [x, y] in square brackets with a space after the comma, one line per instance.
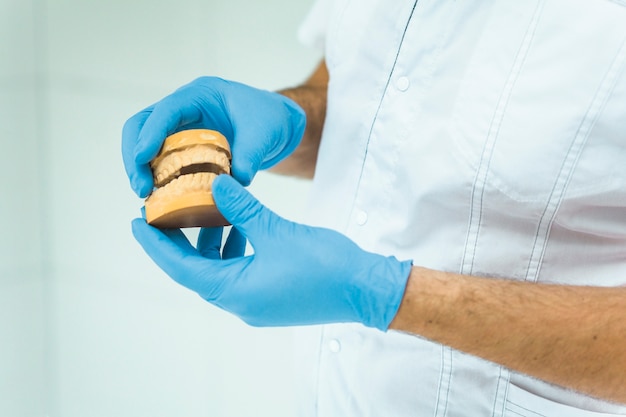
[262, 127]
[297, 275]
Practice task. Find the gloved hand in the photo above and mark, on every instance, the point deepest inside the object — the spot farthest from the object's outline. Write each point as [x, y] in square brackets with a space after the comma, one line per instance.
[262, 127]
[297, 275]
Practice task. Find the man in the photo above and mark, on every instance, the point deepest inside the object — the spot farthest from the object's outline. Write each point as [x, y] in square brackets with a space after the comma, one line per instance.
[475, 153]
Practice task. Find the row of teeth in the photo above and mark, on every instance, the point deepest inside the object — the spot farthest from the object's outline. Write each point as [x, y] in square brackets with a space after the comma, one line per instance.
[171, 164]
[199, 181]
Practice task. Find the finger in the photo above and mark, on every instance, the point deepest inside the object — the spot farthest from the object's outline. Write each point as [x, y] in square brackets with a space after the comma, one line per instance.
[172, 252]
[240, 208]
[293, 131]
[235, 246]
[255, 146]
[210, 242]
[248, 153]
[168, 116]
[252, 139]
[178, 237]
[140, 175]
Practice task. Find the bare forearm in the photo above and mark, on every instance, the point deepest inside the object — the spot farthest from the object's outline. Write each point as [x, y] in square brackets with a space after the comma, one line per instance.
[571, 336]
[311, 96]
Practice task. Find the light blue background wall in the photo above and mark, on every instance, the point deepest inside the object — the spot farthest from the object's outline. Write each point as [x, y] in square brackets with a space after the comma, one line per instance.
[89, 327]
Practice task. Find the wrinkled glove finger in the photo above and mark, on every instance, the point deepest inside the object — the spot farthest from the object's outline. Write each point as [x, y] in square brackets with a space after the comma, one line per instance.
[210, 242]
[140, 175]
[235, 246]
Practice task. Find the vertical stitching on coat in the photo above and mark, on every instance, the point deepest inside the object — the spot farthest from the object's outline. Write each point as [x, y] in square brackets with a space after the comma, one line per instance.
[445, 382]
[482, 172]
[570, 161]
[502, 389]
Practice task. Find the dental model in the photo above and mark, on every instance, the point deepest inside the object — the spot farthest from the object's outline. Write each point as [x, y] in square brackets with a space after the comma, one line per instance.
[184, 171]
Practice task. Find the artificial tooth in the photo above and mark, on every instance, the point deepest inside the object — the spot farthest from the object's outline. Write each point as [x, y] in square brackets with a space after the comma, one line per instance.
[171, 164]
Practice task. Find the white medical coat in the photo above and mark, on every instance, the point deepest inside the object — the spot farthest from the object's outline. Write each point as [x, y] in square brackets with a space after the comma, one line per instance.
[481, 137]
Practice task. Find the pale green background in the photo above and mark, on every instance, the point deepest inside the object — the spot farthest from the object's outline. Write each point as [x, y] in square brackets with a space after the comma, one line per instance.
[89, 327]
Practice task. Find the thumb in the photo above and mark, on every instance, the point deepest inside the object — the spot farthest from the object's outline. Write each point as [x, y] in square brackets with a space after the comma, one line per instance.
[247, 159]
[239, 207]
[244, 170]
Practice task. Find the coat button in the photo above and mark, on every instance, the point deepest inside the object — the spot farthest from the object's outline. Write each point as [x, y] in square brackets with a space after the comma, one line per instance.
[334, 346]
[361, 218]
[403, 83]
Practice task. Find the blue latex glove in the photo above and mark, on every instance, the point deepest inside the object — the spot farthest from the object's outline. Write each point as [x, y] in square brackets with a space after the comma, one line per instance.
[297, 275]
[262, 127]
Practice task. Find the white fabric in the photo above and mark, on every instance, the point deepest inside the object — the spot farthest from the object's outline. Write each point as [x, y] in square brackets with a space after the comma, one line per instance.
[480, 136]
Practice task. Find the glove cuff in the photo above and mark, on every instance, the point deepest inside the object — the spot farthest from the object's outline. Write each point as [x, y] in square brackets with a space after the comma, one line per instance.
[387, 281]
